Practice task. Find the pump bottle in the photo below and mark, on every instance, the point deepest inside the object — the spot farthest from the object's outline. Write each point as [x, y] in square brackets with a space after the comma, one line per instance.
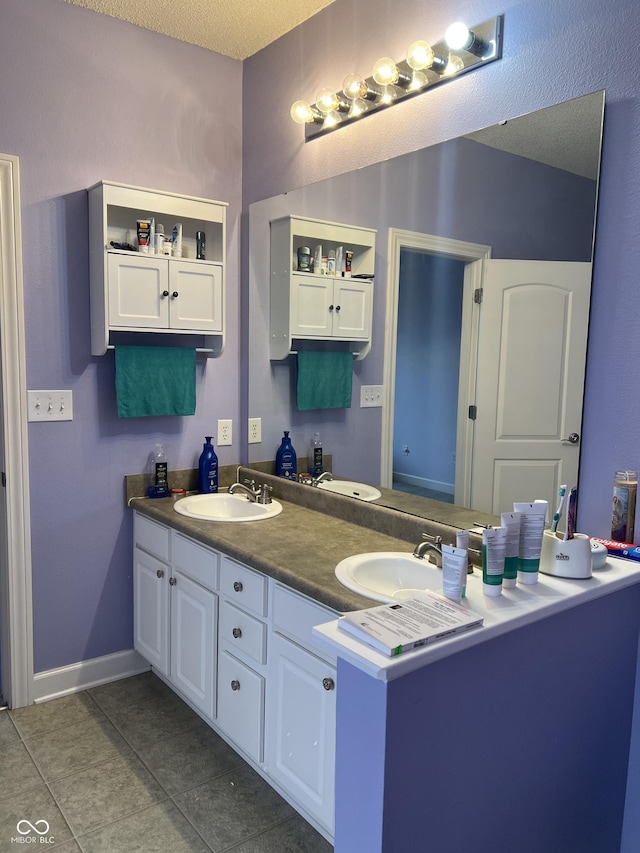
[208, 469]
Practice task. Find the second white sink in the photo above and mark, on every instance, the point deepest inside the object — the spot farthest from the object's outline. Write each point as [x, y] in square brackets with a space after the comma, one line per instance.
[388, 575]
[224, 507]
[351, 489]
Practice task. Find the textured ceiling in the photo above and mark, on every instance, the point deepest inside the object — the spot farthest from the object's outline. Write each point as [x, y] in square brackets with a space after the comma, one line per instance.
[236, 28]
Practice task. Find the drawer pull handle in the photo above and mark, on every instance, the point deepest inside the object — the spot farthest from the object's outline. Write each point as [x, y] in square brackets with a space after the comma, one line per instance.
[172, 581]
[328, 683]
[175, 294]
[237, 585]
[159, 573]
[237, 633]
[165, 293]
[235, 684]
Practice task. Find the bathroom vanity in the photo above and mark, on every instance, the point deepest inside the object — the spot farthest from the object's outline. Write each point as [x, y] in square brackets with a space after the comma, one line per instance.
[514, 736]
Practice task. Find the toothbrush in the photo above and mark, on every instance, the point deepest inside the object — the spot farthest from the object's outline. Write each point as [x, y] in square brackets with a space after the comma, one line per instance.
[571, 514]
[556, 518]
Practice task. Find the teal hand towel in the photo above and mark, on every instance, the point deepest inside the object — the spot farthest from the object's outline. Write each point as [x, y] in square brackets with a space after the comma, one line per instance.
[324, 380]
[153, 381]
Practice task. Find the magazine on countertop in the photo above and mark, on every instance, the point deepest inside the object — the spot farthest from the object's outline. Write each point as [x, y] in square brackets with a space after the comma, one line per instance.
[411, 624]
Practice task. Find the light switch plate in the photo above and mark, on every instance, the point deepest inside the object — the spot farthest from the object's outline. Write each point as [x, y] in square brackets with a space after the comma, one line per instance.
[370, 396]
[50, 405]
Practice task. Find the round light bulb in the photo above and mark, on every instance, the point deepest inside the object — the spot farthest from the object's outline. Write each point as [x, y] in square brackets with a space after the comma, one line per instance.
[388, 95]
[457, 36]
[301, 112]
[385, 72]
[354, 86]
[326, 101]
[454, 65]
[418, 80]
[420, 55]
[358, 107]
[332, 118]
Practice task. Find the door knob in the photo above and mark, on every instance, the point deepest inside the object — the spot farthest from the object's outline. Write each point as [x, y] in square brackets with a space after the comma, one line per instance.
[174, 294]
[165, 292]
[237, 633]
[573, 438]
[159, 573]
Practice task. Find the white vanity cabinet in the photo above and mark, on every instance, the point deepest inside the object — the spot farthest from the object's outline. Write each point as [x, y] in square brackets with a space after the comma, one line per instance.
[315, 307]
[176, 610]
[238, 647]
[302, 705]
[135, 292]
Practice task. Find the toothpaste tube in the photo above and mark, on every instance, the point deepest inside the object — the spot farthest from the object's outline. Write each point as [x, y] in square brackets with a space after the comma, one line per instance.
[626, 550]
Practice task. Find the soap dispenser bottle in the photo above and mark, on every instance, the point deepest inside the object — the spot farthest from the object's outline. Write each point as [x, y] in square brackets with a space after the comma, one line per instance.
[286, 459]
[159, 470]
[208, 469]
[315, 456]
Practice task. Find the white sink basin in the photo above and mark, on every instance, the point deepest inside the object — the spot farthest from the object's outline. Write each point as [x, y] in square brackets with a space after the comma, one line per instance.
[388, 575]
[223, 507]
[351, 489]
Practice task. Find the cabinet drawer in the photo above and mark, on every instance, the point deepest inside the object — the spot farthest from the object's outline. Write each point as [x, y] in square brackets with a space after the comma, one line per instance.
[295, 615]
[196, 561]
[153, 537]
[241, 704]
[240, 631]
[244, 587]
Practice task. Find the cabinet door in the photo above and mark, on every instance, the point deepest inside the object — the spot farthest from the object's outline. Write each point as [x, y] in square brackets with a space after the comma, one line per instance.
[241, 704]
[352, 311]
[136, 291]
[193, 643]
[196, 296]
[301, 734]
[151, 609]
[311, 306]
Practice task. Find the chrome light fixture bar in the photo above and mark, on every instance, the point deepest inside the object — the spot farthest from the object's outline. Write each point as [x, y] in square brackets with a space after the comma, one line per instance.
[425, 66]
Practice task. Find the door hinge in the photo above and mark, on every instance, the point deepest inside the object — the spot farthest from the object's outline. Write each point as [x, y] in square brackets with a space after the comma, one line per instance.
[473, 411]
[477, 295]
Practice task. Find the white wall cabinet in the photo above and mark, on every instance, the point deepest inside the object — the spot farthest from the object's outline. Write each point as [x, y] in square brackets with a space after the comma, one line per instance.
[320, 307]
[238, 647]
[135, 292]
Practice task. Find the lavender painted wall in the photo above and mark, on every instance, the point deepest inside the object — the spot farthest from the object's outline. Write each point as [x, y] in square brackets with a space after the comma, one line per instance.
[545, 61]
[84, 98]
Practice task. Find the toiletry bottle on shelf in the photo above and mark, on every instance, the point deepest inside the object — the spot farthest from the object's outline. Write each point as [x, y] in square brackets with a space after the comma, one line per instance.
[159, 470]
[208, 469]
[625, 488]
[286, 459]
[315, 456]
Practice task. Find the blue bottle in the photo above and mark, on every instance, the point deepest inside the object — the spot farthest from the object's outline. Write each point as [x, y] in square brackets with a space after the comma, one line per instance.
[208, 469]
[286, 459]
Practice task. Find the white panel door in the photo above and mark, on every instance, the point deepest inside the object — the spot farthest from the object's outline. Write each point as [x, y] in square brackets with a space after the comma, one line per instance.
[151, 609]
[193, 642]
[352, 308]
[302, 719]
[241, 704]
[311, 297]
[195, 296]
[138, 291]
[531, 367]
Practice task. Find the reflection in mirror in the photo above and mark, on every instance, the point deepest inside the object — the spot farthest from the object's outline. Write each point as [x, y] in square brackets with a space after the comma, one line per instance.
[508, 211]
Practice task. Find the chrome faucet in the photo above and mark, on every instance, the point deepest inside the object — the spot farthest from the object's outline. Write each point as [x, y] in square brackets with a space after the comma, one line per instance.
[324, 477]
[260, 493]
[422, 547]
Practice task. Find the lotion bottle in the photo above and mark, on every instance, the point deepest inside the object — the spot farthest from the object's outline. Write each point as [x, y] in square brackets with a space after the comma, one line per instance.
[286, 459]
[208, 469]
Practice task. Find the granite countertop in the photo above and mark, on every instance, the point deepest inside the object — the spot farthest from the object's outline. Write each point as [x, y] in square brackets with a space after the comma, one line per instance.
[300, 547]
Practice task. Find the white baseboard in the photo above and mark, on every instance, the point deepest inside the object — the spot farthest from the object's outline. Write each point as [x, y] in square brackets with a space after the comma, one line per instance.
[423, 483]
[55, 683]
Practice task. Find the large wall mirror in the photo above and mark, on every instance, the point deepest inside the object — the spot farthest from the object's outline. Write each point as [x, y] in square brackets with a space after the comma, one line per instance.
[484, 247]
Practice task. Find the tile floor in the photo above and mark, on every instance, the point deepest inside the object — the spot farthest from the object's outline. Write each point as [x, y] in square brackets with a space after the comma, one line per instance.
[129, 767]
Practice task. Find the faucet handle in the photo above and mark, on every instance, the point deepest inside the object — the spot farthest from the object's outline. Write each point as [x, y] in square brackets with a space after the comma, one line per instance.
[265, 493]
[428, 537]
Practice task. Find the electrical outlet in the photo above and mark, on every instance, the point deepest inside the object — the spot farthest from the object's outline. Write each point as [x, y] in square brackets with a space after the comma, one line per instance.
[255, 430]
[224, 433]
[370, 396]
[50, 405]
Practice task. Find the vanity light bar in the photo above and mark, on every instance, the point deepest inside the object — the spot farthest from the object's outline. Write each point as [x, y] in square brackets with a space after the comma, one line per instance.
[425, 66]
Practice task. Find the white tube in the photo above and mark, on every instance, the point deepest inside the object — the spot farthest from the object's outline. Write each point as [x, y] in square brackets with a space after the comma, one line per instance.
[454, 571]
[511, 520]
[531, 532]
[494, 543]
[176, 242]
[462, 541]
